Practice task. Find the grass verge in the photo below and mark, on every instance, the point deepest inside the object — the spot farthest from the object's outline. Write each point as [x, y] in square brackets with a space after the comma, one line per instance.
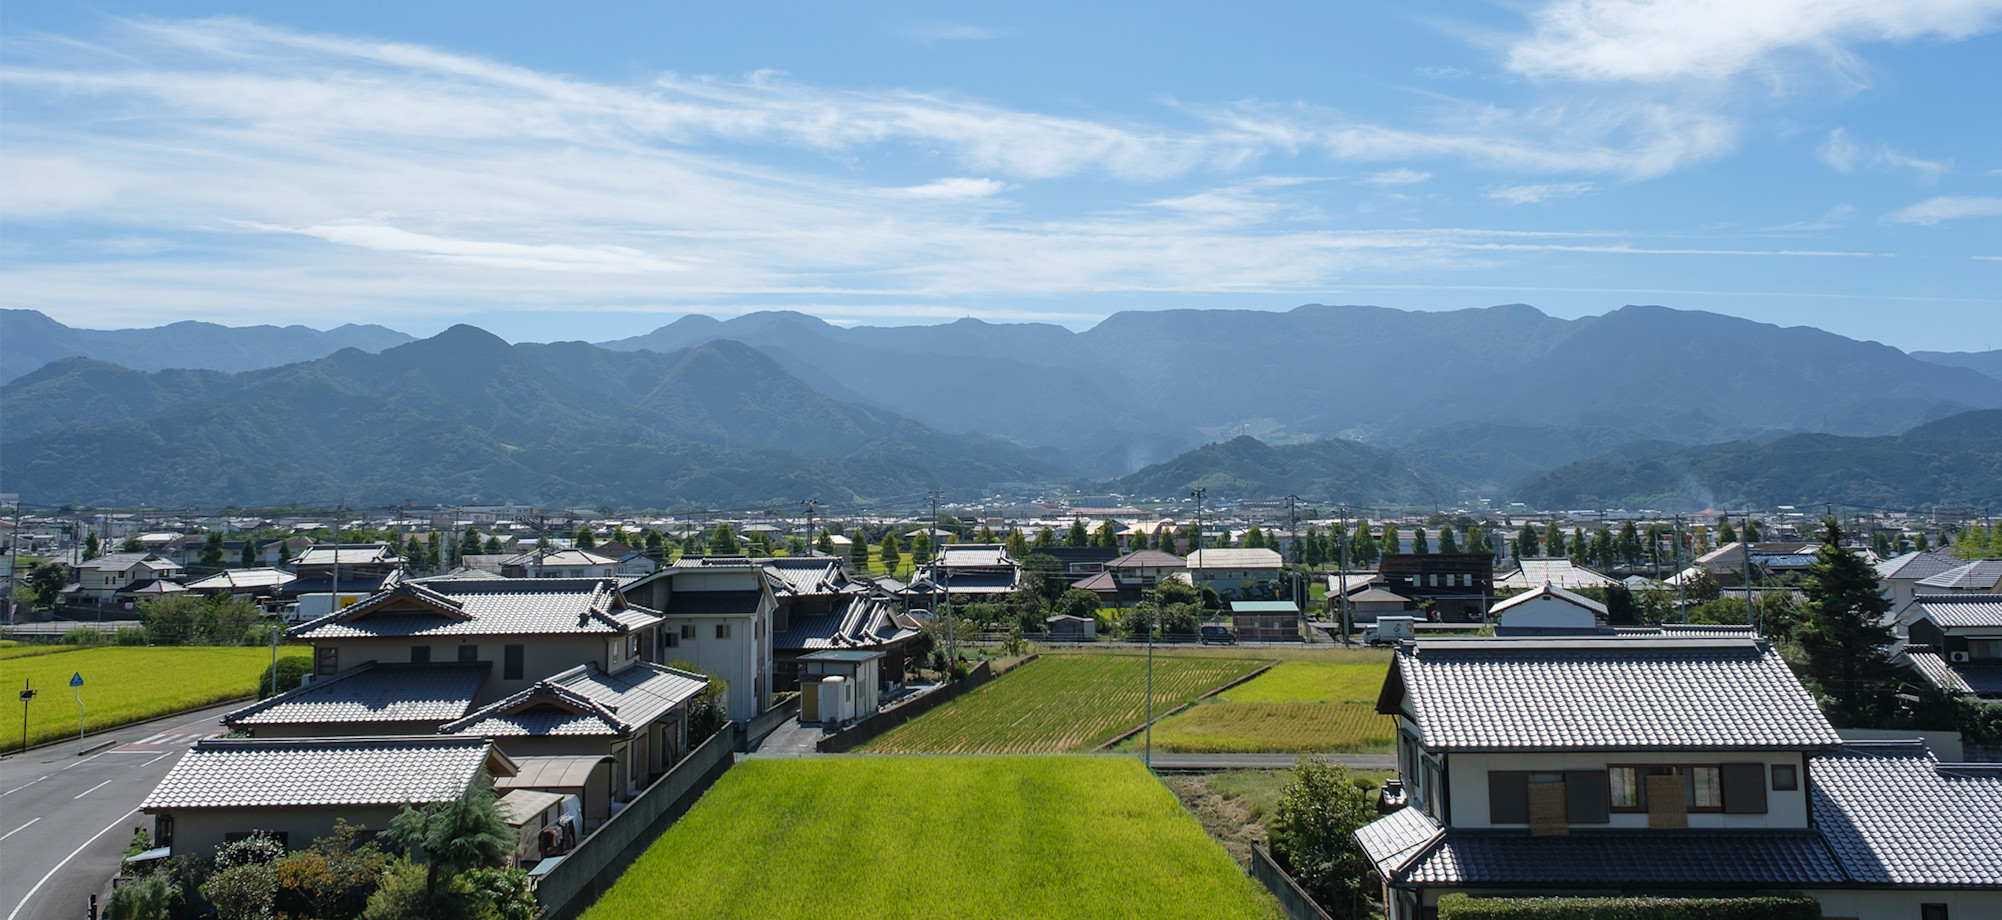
[123, 684]
[935, 837]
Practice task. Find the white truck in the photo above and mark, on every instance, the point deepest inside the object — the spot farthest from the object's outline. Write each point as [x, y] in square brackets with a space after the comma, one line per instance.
[1389, 631]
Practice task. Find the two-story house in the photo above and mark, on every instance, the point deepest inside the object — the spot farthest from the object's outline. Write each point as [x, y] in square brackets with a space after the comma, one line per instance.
[334, 575]
[1648, 765]
[966, 571]
[717, 612]
[559, 563]
[1227, 571]
[1955, 641]
[1458, 585]
[107, 577]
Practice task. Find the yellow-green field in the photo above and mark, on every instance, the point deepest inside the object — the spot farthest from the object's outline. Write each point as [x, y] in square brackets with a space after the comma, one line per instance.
[1061, 703]
[1298, 706]
[124, 684]
[935, 838]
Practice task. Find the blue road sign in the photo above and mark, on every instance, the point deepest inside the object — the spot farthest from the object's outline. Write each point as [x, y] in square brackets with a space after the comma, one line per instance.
[76, 680]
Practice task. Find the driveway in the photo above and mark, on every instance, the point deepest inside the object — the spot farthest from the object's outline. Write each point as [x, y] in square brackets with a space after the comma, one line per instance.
[65, 820]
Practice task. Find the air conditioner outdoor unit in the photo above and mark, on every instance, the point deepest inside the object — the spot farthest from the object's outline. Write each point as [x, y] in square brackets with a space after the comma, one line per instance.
[1958, 656]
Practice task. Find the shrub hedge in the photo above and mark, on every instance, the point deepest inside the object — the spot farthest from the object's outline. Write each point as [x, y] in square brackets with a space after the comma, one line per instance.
[1463, 907]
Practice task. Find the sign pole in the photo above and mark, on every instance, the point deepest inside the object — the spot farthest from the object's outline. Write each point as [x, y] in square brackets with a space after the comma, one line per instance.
[76, 688]
[27, 696]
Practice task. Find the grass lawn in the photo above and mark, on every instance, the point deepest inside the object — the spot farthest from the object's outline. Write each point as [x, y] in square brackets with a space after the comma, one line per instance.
[1061, 702]
[935, 838]
[124, 684]
[1299, 705]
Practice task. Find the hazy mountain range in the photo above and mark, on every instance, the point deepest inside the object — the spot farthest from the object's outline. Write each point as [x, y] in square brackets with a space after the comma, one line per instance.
[1352, 403]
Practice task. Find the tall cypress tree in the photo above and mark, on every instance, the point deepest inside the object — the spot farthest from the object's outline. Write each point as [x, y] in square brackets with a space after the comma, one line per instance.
[1555, 546]
[892, 556]
[858, 550]
[1843, 639]
[1418, 542]
[1446, 542]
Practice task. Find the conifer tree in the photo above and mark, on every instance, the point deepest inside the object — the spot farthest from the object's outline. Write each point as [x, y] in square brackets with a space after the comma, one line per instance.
[1077, 535]
[1846, 646]
[858, 551]
[1362, 546]
[584, 538]
[921, 548]
[1254, 538]
[1108, 535]
[824, 544]
[1578, 544]
[1045, 538]
[892, 556]
[249, 557]
[1167, 544]
[986, 535]
[1725, 532]
[1446, 542]
[1555, 547]
[1392, 542]
[1418, 542]
[1315, 551]
[1018, 545]
[1630, 544]
[1527, 543]
[724, 541]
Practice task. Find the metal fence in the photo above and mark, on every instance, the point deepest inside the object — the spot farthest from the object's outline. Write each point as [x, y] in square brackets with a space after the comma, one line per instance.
[590, 869]
[1292, 897]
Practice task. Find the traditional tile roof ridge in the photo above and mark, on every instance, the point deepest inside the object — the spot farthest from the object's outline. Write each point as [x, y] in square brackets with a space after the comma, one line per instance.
[1610, 693]
[1966, 609]
[1934, 668]
[618, 702]
[119, 562]
[490, 606]
[1552, 591]
[307, 772]
[373, 692]
[1897, 816]
[261, 577]
[1684, 859]
[1393, 841]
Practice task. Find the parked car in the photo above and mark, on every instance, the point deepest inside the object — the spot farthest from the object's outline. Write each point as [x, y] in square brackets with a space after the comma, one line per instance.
[1221, 635]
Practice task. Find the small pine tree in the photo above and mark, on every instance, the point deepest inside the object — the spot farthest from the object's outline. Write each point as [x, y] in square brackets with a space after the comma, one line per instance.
[212, 550]
[1254, 538]
[249, 556]
[1314, 551]
[986, 535]
[1108, 535]
[413, 551]
[1167, 545]
[858, 551]
[1922, 543]
[1725, 532]
[493, 544]
[921, 548]
[1393, 542]
[824, 545]
[1045, 538]
[1630, 544]
[1018, 545]
[1362, 545]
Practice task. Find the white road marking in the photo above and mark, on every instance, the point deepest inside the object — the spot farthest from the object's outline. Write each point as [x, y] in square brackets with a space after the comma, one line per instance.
[92, 789]
[25, 785]
[152, 739]
[85, 760]
[18, 829]
[66, 861]
[157, 759]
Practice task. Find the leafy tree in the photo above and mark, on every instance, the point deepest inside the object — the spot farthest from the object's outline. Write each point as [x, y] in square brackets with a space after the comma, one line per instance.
[43, 584]
[1477, 539]
[824, 545]
[1418, 542]
[1527, 543]
[584, 539]
[1725, 532]
[1446, 542]
[1045, 538]
[1700, 539]
[132, 545]
[1578, 544]
[761, 543]
[724, 541]
[858, 551]
[1555, 547]
[1362, 545]
[148, 897]
[333, 879]
[1392, 541]
[892, 556]
[493, 545]
[1630, 544]
[1978, 542]
[1018, 545]
[465, 833]
[1254, 538]
[1077, 535]
[1880, 543]
[1621, 609]
[1108, 535]
[285, 551]
[1313, 549]
[91, 548]
[921, 548]
[1167, 537]
[1923, 543]
[212, 550]
[1845, 646]
[1319, 811]
[1702, 587]
[1752, 531]
[469, 542]
[986, 534]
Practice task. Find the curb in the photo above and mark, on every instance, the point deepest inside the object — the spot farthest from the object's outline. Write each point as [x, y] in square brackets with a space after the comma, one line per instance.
[100, 732]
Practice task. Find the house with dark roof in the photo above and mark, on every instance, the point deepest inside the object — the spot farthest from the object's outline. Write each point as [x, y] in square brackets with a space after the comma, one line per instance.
[717, 612]
[334, 575]
[1125, 579]
[637, 716]
[297, 789]
[966, 571]
[559, 563]
[1900, 575]
[1458, 585]
[1955, 642]
[1654, 764]
[1982, 576]
[525, 629]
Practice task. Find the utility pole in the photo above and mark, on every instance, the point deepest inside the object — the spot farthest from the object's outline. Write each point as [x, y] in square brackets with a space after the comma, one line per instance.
[1745, 535]
[810, 503]
[1342, 573]
[1681, 574]
[1197, 493]
[931, 531]
[1299, 591]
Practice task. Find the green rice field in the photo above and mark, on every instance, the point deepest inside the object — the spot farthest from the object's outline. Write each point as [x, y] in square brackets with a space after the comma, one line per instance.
[1298, 706]
[1060, 703]
[936, 838]
[124, 684]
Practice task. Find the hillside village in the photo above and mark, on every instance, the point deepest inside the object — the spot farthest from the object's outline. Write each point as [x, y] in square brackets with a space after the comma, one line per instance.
[1581, 704]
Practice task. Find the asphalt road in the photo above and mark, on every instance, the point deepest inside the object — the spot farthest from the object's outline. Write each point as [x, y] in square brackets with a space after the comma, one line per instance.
[65, 820]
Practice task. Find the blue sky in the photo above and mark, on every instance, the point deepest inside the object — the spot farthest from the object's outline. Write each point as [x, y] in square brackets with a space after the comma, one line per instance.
[564, 171]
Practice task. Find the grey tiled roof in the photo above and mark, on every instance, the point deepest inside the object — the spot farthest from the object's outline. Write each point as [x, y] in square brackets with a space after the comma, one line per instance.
[1979, 575]
[584, 701]
[1934, 668]
[373, 693]
[1395, 839]
[238, 773]
[1553, 591]
[484, 607]
[1636, 858]
[860, 621]
[1959, 610]
[1147, 559]
[1919, 565]
[1631, 693]
[806, 574]
[1895, 815]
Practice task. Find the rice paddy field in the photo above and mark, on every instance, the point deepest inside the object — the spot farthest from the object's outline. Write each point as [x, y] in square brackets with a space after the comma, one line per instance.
[1299, 706]
[1060, 703]
[124, 684]
[936, 838]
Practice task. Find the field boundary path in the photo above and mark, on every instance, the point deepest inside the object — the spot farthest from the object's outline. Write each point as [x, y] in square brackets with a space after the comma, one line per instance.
[1215, 763]
[68, 818]
[1107, 746]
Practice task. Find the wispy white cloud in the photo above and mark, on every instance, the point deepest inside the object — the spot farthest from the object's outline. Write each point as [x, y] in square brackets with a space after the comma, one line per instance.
[929, 32]
[953, 189]
[493, 254]
[1844, 154]
[1397, 177]
[1658, 40]
[1946, 207]
[1536, 194]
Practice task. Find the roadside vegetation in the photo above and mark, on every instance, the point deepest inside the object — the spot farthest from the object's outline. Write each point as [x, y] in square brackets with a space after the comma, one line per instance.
[125, 684]
[1061, 703]
[973, 837]
[1326, 704]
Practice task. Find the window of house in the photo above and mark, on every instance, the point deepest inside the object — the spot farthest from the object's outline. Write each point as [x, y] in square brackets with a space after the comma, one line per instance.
[722, 630]
[670, 639]
[511, 656]
[469, 653]
[1984, 648]
[326, 661]
[1786, 777]
[688, 630]
[1932, 912]
[420, 654]
[1734, 788]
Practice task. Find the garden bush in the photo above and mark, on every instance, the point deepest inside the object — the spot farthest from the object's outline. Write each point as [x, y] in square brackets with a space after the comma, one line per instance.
[130, 635]
[1462, 907]
[83, 635]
